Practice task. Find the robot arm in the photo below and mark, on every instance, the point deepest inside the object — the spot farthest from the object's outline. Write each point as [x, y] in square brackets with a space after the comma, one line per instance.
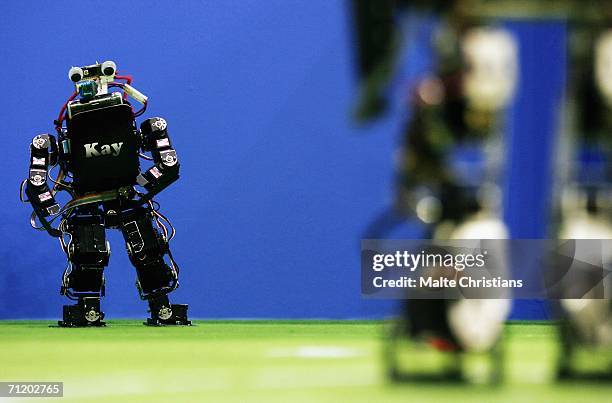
[166, 169]
[376, 46]
[43, 153]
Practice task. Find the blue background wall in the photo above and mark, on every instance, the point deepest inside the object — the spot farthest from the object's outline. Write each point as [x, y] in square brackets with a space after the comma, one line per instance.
[278, 184]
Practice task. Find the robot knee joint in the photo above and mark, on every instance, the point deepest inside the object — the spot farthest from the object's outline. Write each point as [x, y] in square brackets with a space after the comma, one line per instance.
[142, 255]
[88, 246]
[89, 255]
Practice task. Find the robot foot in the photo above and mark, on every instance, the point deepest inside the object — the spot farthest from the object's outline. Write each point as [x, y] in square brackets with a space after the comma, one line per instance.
[86, 313]
[165, 314]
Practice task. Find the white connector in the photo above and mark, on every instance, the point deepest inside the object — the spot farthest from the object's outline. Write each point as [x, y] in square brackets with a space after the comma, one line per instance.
[134, 93]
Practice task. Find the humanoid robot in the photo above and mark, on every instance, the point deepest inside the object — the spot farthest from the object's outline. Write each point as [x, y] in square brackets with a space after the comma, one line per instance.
[449, 165]
[585, 182]
[98, 150]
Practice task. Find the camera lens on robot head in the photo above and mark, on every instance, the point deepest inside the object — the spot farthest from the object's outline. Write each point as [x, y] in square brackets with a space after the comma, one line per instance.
[75, 74]
[109, 68]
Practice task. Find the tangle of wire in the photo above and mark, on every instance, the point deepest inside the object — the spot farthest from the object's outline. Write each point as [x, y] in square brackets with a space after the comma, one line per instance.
[158, 217]
[58, 180]
[65, 247]
[63, 111]
[21, 187]
[144, 104]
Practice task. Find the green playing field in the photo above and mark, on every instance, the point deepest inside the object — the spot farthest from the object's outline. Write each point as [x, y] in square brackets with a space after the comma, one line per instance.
[262, 361]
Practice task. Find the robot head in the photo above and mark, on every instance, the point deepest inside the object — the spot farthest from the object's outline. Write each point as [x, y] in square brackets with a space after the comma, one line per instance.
[93, 80]
[491, 58]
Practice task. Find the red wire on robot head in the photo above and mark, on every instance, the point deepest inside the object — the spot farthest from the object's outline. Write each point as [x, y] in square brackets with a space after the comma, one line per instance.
[62, 114]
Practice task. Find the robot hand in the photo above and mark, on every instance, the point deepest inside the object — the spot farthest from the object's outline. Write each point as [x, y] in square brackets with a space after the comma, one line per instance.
[166, 169]
[43, 153]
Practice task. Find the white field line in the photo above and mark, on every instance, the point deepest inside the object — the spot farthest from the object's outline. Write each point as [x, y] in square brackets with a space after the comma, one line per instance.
[136, 383]
[316, 352]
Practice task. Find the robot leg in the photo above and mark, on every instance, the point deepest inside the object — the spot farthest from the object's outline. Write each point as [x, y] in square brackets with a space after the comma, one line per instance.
[146, 249]
[88, 254]
[421, 332]
[585, 328]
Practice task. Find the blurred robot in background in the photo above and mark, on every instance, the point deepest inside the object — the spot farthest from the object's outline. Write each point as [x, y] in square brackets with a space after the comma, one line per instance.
[449, 165]
[584, 172]
[98, 153]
